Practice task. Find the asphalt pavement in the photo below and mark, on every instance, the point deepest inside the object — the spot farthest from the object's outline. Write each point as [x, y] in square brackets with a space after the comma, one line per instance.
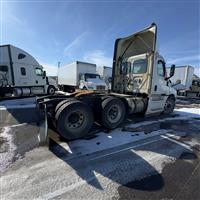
[155, 158]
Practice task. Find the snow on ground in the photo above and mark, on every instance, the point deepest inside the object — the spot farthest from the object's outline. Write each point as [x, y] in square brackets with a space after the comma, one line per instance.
[77, 179]
[6, 156]
[16, 140]
[190, 112]
[106, 141]
[118, 137]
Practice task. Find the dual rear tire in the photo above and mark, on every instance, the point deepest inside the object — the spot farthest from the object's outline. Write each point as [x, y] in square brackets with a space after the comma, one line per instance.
[74, 118]
[113, 112]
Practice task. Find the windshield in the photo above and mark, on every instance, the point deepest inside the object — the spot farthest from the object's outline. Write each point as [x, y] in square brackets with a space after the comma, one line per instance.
[92, 76]
[136, 66]
[39, 72]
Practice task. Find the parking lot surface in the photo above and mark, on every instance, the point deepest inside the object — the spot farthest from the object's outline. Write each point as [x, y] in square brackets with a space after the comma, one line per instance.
[146, 158]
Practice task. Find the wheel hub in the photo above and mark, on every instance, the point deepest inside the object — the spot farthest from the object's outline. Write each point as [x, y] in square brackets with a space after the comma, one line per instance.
[114, 113]
[75, 120]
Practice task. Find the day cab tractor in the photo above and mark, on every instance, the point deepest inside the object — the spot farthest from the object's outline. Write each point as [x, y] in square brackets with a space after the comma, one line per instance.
[139, 85]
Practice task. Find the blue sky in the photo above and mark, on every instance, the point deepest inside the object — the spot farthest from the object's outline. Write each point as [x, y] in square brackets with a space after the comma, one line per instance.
[66, 31]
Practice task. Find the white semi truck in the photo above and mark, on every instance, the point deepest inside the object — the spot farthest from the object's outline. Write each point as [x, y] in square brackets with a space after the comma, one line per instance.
[106, 74]
[79, 75]
[21, 74]
[139, 85]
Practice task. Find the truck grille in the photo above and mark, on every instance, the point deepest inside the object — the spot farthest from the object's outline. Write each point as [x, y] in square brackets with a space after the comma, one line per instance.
[101, 87]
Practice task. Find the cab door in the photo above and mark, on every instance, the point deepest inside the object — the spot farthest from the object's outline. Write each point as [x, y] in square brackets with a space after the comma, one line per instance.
[40, 79]
[159, 88]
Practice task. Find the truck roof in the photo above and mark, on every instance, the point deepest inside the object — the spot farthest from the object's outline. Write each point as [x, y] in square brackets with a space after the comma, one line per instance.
[5, 45]
[78, 62]
[87, 63]
[18, 50]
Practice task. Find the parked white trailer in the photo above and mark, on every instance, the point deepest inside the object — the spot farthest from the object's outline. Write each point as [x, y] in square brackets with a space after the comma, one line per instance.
[184, 75]
[21, 74]
[182, 80]
[79, 75]
[106, 74]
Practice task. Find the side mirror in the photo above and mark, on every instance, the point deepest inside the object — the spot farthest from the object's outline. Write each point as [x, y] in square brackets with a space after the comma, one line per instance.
[172, 71]
[44, 74]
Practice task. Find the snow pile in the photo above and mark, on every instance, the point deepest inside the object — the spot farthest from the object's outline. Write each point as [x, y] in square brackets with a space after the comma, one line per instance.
[16, 140]
[8, 148]
[188, 112]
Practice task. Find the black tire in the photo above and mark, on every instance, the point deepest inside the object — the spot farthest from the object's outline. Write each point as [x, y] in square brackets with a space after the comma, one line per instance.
[51, 90]
[169, 105]
[15, 92]
[74, 119]
[62, 103]
[113, 112]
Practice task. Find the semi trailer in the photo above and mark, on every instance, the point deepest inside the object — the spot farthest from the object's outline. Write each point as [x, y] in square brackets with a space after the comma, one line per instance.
[184, 83]
[139, 85]
[21, 74]
[79, 75]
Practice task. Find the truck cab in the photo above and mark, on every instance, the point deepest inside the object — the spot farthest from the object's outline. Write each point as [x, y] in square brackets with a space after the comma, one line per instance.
[91, 81]
[20, 73]
[139, 70]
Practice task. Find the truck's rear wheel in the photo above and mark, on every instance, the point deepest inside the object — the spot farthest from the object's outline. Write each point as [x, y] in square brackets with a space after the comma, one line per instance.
[169, 105]
[113, 112]
[74, 120]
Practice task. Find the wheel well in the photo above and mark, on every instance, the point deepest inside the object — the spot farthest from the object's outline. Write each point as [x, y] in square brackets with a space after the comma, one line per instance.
[51, 86]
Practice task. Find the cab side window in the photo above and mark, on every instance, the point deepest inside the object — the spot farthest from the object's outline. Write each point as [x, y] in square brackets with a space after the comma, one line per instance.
[23, 71]
[161, 68]
[139, 66]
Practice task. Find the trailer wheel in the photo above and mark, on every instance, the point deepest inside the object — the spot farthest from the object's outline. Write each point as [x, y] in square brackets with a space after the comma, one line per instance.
[113, 112]
[51, 90]
[74, 120]
[169, 105]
